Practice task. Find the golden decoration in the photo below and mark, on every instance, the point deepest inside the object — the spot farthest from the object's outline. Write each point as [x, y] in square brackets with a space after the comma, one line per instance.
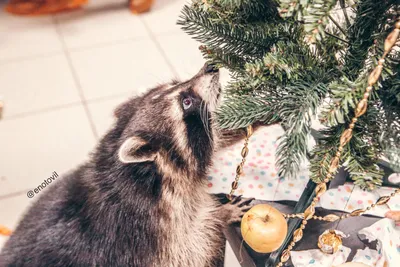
[383, 200]
[361, 108]
[331, 218]
[346, 136]
[374, 76]
[245, 151]
[334, 165]
[239, 168]
[320, 189]
[309, 213]
[391, 39]
[297, 235]
[330, 241]
[357, 212]
[285, 255]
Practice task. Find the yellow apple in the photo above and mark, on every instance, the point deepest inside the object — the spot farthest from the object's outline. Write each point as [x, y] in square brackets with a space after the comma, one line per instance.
[263, 228]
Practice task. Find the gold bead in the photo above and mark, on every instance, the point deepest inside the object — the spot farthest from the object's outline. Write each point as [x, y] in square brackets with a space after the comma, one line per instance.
[366, 95]
[234, 185]
[357, 212]
[382, 200]
[290, 247]
[381, 61]
[292, 243]
[338, 154]
[340, 149]
[331, 218]
[326, 180]
[397, 24]
[369, 89]
[334, 164]
[302, 227]
[239, 169]
[351, 125]
[297, 235]
[374, 76]
[245, 152]
[392, 194]
[346, 136]
[249, 131]
[319, 190]
[354, 120]
[280, 264]
[310, 211]
[373, 205]
[368, 208]
[285, 255]
[361, 108]
[304, 222]
[391, 40]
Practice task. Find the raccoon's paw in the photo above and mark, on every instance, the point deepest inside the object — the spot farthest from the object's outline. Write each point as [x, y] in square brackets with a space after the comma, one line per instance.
[236, 208]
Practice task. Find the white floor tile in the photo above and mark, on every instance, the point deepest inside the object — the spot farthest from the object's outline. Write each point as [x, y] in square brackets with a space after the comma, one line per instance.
[22, 37]
[163, 16]
[183, 53]
[102, 112]
[32, 85]
[33, 147]
[230, 258]
[11, 211]
[100, 22]
[127, 67]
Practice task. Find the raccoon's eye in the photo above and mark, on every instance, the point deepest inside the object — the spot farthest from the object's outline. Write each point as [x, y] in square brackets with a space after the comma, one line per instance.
[187, 102]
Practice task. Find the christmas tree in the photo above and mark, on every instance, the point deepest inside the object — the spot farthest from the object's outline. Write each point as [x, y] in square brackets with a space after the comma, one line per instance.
[296, 60]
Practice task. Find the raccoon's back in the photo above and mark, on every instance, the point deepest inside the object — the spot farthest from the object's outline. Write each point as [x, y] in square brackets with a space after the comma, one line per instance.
[68, 227]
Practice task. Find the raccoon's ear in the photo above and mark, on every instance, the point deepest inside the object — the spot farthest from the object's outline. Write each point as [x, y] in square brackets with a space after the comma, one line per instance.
[136, 150]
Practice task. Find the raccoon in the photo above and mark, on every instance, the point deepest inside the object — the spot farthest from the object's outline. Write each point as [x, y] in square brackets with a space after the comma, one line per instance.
[141, 200]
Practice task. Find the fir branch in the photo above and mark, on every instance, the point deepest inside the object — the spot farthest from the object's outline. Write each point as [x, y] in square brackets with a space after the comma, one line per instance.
[296, 111]
[239, 112]
[314, 14]
[369, 18]
[222, 59]
[244, 40]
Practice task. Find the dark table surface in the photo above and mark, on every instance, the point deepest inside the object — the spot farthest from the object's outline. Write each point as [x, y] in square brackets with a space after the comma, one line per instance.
[350, 226]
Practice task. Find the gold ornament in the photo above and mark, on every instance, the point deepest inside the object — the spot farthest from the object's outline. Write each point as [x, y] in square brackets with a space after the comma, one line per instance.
[330, 241]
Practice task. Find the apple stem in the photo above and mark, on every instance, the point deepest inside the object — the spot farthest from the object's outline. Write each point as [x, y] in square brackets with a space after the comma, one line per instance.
[266, 218]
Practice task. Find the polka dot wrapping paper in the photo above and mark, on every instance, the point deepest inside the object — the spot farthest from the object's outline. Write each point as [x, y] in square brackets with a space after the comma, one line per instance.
[260, 176]
[388, 246]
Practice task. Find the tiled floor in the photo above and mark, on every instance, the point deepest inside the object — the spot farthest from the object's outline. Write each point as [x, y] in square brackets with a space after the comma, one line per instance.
[61, 77]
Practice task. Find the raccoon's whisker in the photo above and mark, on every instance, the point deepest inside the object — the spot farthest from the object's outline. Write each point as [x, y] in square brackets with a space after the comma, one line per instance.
[204, 118]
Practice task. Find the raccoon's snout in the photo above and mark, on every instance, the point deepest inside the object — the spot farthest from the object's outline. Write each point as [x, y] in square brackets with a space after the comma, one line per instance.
[210, 68]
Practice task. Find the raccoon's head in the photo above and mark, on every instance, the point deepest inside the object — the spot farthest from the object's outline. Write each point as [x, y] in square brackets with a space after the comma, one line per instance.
[171, 126]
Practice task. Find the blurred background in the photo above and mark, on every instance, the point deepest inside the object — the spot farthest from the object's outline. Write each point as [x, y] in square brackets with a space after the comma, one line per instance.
[61, 76]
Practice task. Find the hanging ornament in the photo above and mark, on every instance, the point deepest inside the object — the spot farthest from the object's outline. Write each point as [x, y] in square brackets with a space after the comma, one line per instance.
[330, 241]
[264, 228]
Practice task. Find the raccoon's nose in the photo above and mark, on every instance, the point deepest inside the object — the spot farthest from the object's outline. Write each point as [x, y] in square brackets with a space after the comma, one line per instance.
[210, 68]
